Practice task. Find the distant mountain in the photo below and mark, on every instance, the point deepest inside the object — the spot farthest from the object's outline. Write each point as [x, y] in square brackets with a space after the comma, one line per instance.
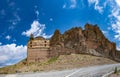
[91, 40]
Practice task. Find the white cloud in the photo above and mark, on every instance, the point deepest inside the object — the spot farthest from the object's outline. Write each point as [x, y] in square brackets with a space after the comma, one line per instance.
[96, 5]
[73, 3]
[109, 28]
[64, 6]
[8, 37]
[118, 2]
[115, 19]
[16, 19]
[100, 9]
[37, 13]
[51, 19]
[14, 40]
[0, 43]
[115, 13]
[11, 53]
[106, 33]
[36, 29]
[118, 46]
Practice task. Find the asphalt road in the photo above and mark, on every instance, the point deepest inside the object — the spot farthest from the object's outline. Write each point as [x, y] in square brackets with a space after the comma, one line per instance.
[94, 71]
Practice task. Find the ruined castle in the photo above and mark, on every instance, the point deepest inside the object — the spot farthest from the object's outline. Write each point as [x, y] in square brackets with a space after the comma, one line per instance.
[37, 49]
[89, 40]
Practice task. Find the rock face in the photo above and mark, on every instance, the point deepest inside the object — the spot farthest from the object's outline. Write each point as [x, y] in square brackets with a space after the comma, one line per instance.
[88, 41]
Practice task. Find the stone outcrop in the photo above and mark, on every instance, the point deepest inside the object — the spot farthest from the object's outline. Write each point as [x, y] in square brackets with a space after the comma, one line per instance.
[88, 41]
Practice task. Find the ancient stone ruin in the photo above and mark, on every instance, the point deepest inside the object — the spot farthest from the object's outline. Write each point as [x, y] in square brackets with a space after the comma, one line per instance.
[37, 49]
[89, 40]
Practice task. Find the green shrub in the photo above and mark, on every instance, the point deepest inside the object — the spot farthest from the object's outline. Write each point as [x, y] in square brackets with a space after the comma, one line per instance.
[53, 59]
[36, 70]
[115, 71]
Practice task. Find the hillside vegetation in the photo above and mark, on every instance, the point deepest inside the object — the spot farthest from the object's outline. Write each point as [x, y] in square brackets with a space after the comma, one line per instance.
[57, 63]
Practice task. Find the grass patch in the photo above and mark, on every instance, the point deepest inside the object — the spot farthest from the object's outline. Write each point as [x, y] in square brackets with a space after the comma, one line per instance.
[53, 59]
[116, 71]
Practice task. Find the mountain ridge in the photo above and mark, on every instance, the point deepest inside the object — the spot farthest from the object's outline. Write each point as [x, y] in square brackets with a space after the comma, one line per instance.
[91, 40]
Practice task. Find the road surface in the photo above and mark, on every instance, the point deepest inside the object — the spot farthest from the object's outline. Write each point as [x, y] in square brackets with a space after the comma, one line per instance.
[94, 71]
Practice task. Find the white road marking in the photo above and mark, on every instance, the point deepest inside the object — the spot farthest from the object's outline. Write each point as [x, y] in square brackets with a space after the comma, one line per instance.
[108, 74]
[12, 75]
[72, 73]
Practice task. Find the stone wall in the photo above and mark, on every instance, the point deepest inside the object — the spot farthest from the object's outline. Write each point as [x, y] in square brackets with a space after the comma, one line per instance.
[37, 55]
[38, 49]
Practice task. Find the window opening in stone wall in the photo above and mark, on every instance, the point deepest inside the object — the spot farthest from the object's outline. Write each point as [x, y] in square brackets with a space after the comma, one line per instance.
[45, 41]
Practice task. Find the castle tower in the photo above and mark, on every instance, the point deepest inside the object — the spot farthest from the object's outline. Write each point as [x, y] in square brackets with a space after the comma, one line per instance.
[37, 49]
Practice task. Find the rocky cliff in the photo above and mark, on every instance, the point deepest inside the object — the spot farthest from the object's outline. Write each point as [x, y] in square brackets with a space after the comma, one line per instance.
[88, 41]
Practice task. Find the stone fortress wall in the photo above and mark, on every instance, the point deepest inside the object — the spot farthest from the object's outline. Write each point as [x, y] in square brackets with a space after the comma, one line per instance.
[37, 49]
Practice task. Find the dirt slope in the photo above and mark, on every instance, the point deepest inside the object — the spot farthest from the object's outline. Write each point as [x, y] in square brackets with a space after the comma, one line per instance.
[58, 63]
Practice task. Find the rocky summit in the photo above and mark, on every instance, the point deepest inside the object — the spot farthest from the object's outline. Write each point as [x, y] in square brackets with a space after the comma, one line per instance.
[91, 41]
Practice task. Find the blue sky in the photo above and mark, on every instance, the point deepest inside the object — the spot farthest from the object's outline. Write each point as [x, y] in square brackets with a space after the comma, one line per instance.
[18, 19]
